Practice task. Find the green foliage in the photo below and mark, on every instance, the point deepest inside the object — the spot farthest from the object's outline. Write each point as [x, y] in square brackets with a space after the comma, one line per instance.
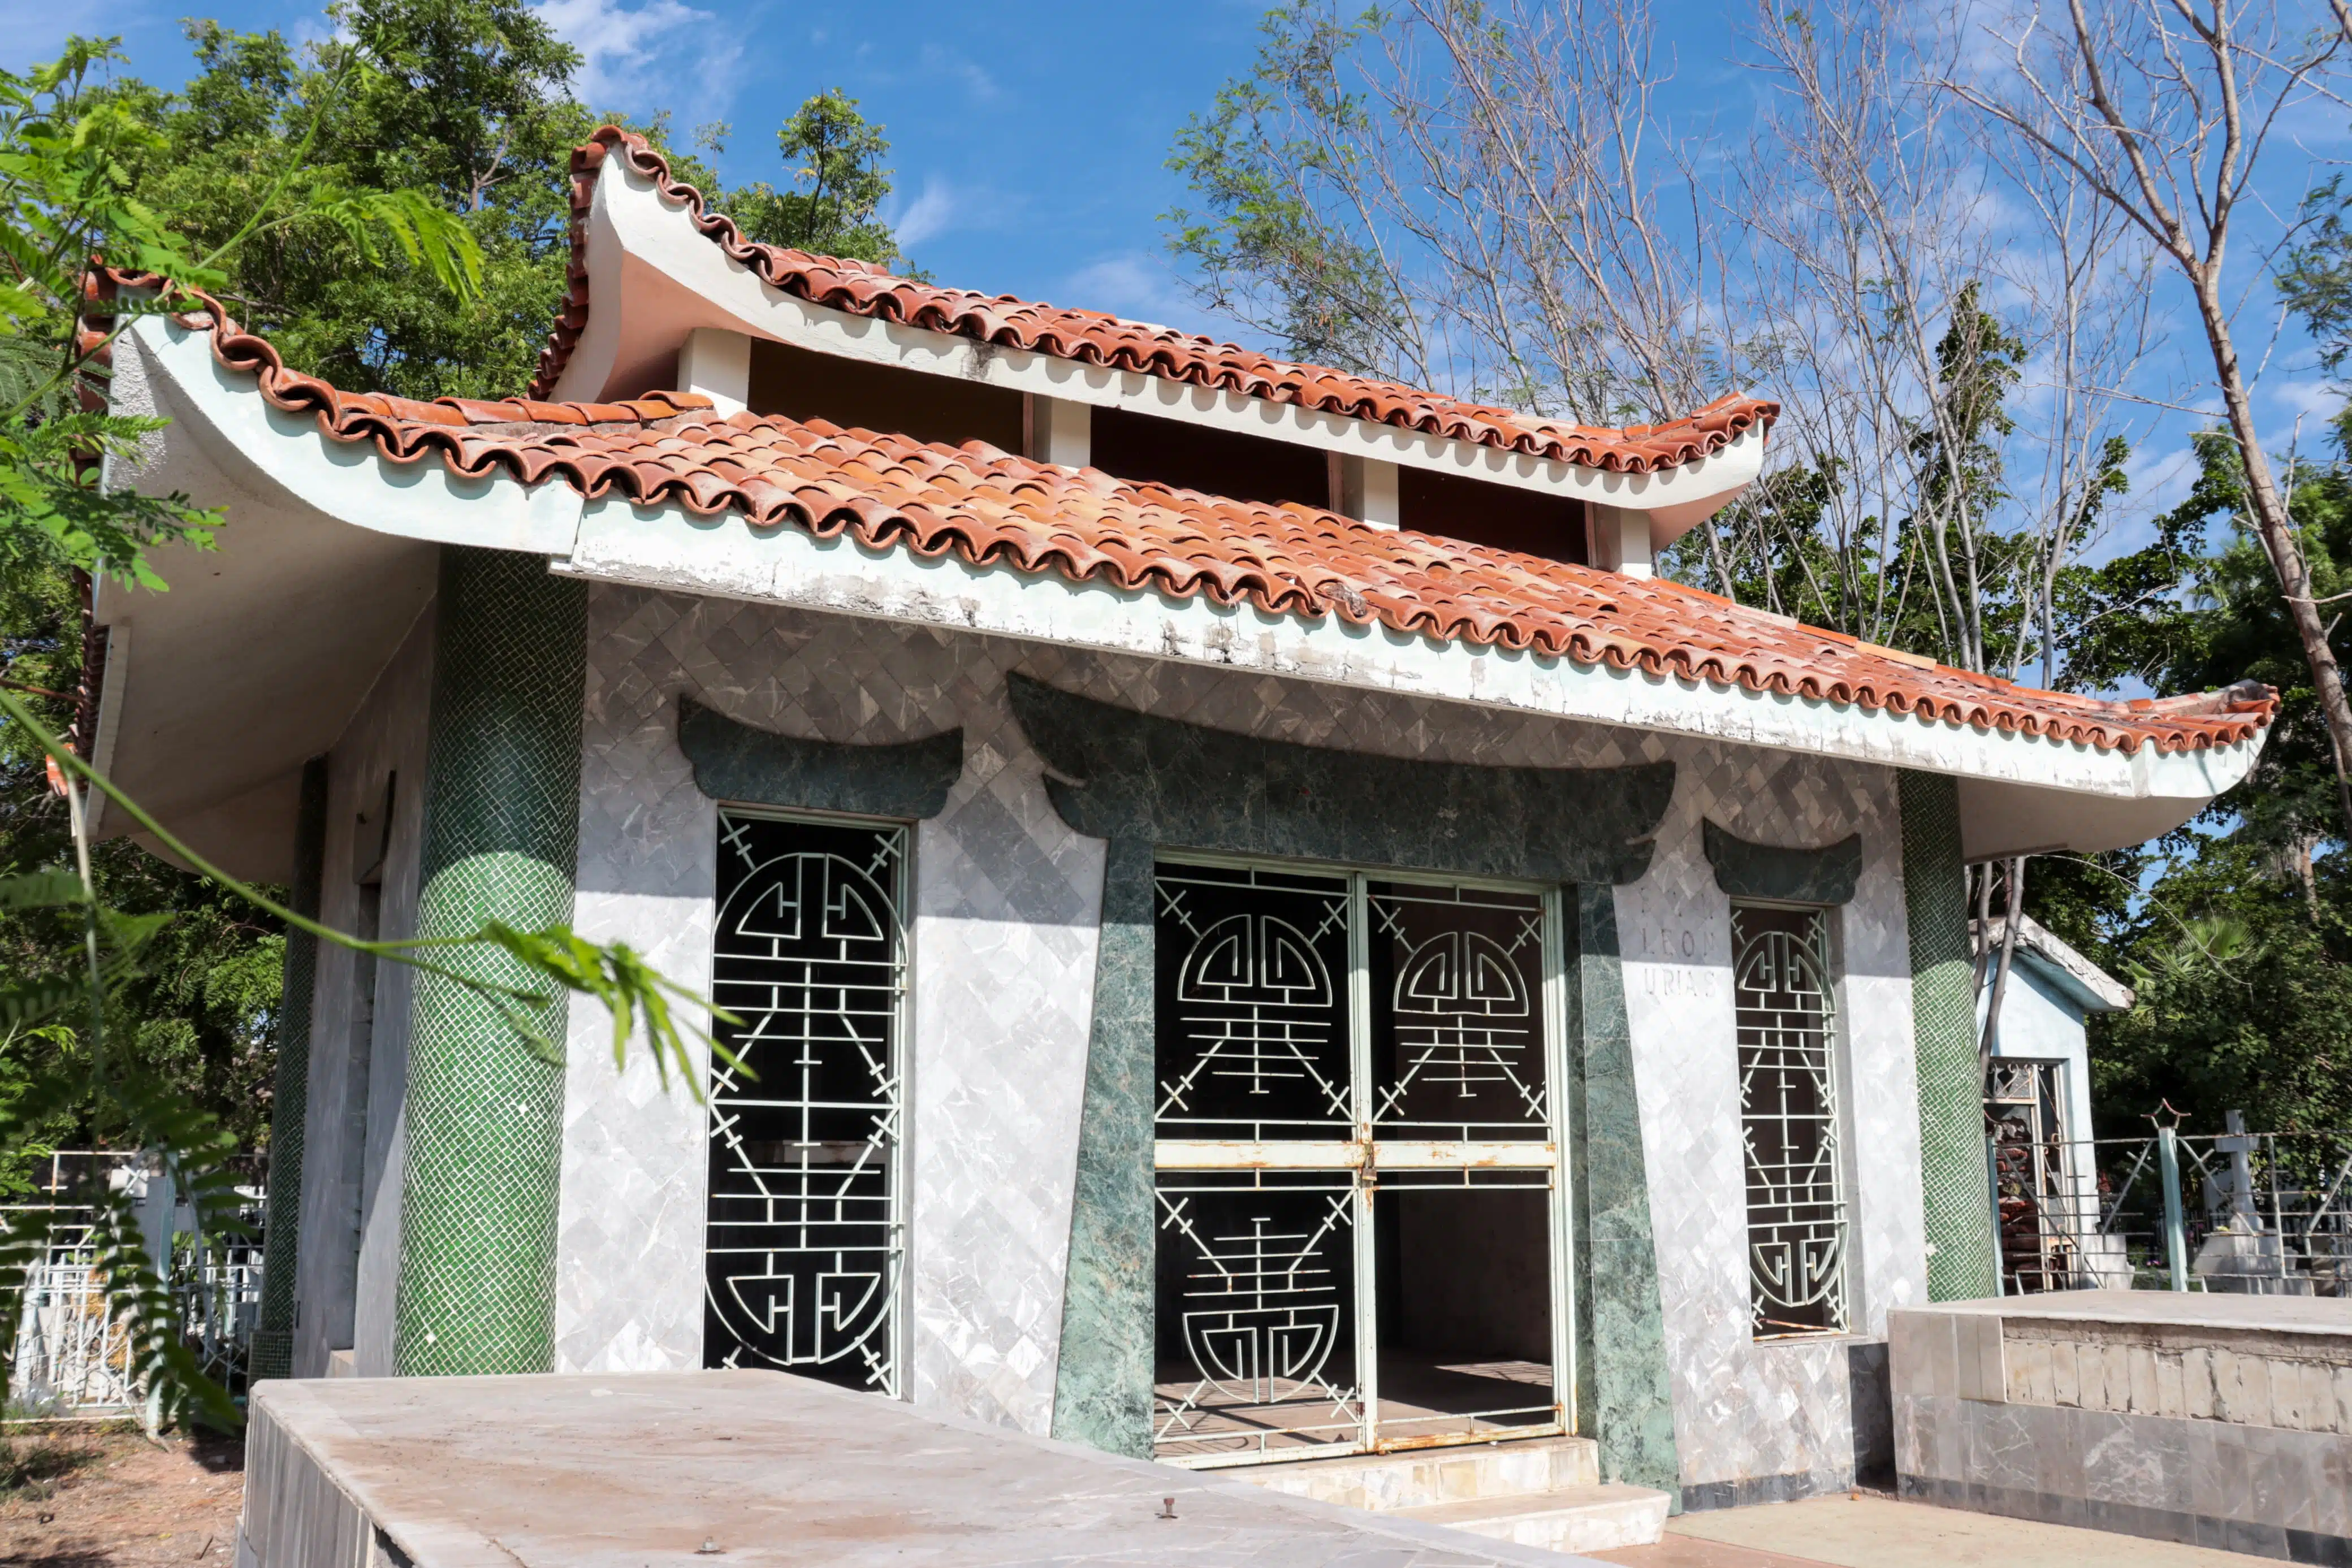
[2245, 997]
[2317, 279]
[1265, 248]
[467, 106]
[1947, 579]
[834, 210]
[2181, 615]
[390, 207]
[459, 106]
[2236, 932]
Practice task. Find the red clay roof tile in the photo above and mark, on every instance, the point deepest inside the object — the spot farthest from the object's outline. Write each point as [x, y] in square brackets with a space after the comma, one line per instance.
[1089, 337]
[990, 509]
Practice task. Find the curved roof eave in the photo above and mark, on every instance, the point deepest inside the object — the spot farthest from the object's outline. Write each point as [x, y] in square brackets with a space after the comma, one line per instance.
[627, 493]
[651, 264]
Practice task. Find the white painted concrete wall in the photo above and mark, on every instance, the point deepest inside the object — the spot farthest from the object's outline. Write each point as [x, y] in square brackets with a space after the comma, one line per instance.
[387, 734]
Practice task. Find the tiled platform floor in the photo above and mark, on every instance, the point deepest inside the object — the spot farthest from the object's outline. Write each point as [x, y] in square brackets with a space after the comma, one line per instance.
[1880, 1533]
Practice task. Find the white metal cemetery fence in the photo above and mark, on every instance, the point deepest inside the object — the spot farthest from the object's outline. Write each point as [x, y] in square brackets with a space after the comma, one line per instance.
[2254, 1213]
[71, 1358]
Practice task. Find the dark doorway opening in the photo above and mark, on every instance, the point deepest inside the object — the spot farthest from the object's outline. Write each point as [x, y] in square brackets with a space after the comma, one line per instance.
[1464, 1309]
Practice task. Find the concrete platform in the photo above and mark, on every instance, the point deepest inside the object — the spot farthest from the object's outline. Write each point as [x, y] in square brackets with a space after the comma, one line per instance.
[749, 1468]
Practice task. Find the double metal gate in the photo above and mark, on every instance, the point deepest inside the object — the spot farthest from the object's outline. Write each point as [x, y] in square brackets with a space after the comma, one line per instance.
[1363, 1227]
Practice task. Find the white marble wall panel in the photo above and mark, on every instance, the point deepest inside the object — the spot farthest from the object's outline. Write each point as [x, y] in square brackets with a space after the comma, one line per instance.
[348, 1270]
[1746, 1410]
[1006, 901]
[1005, 907]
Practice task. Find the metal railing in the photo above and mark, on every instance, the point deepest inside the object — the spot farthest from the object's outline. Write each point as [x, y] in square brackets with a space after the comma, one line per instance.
[2254, 1213]
[71, 1358]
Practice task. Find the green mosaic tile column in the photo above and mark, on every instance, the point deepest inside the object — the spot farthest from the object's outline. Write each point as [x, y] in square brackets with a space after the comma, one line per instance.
[485, 1116]
[1102, 1382]
[272, 1355]
[1624, 1397]
[1944, 1038]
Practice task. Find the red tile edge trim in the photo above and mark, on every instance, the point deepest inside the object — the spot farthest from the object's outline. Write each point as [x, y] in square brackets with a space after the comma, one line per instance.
[1089, 337]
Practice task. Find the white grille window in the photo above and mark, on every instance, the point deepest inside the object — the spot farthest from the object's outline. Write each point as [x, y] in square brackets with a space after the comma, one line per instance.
[1789, 1115]
[806, 1236]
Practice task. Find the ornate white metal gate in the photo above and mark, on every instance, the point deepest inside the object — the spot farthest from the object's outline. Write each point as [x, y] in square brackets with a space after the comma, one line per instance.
[807, 1233]
[1341, 1059]
[1788, 1114]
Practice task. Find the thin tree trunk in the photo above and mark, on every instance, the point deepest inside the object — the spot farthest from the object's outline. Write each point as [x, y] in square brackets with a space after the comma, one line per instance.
[2276, 527]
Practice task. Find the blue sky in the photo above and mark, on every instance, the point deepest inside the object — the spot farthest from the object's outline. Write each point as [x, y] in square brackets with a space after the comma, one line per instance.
[1029, 140]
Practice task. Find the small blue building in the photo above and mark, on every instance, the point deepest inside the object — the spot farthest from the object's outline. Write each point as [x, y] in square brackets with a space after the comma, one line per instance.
[2038, 1112]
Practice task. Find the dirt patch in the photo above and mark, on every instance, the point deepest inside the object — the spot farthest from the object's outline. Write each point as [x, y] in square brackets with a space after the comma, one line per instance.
[107, 1497]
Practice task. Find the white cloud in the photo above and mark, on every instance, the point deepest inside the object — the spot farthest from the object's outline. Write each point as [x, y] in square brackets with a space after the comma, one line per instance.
[931, 214]
[1134, 283]
[646, 56]
[2314, 398]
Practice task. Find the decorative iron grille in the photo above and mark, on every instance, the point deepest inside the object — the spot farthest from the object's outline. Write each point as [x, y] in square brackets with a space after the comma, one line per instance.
[1788, 1106]
[806, 1235]
[1457, 987]
[1261, 1265]
[1328, 1044]
[1258, 1001]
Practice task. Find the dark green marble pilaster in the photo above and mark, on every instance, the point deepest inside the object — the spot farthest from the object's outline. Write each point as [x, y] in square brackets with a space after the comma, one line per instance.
[1102, 1387]
[734, 761]
[1943, 1039]
[1624, 1399]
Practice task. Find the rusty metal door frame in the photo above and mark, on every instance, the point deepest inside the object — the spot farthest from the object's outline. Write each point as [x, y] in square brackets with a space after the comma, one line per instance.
[1364, 1155]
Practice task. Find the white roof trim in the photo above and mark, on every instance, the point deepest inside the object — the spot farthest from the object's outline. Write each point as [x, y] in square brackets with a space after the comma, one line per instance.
[653, 278]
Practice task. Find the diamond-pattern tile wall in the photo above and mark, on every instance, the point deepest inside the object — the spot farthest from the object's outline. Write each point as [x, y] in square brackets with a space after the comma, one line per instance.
[1006, 905]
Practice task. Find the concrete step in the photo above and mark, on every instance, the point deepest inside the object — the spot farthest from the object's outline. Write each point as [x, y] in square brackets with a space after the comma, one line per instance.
[1423, 1478]
[1593, 1518]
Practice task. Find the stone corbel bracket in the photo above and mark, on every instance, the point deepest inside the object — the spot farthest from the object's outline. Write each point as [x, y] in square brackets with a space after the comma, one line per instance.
[1825, 876]
[734, 761]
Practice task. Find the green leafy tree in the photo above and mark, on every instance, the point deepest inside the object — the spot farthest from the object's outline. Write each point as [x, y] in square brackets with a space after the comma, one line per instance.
[114, 977]
[462, 104]
[834, 206]
[2237, 931]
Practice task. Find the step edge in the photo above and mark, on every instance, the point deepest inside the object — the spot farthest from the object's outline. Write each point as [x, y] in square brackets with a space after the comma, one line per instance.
[1618, 1497]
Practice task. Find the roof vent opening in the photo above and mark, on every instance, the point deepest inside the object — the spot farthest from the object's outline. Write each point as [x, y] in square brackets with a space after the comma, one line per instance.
[1146, 450]
[1500, 517]
[855, 394]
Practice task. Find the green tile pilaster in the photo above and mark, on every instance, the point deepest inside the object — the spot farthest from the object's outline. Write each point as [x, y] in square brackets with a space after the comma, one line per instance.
[1102, 1384]
[1944, 1041]
[1624, 1398]
[485, 1114]
[272, 1355]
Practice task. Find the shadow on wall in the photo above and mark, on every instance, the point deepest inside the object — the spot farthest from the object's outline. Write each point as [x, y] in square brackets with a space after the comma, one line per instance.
[1870, 1397]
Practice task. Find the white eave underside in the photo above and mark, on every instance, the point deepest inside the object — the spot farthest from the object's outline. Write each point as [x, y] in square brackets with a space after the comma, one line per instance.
[653, 278]
[2019, 793]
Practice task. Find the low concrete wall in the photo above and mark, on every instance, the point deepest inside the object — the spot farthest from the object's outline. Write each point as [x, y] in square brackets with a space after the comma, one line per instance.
[2225, 1421]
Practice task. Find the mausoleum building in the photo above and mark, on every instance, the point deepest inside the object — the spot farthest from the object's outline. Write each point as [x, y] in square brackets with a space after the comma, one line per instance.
[1263, 929]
